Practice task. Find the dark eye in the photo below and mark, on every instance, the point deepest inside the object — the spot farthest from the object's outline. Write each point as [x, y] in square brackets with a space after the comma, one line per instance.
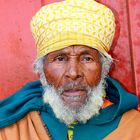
[87, 59]
[61, 58]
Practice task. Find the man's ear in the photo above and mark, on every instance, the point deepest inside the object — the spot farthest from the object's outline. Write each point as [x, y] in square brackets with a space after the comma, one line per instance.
[38, 75]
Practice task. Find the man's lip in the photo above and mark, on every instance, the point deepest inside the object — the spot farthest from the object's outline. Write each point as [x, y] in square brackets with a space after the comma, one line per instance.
[74, 98]
[73, 92]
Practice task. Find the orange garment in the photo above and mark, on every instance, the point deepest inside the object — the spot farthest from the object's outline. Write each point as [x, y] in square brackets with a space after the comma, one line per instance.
[106, 103]
[28, 128]
[128, 128]
[31, 128]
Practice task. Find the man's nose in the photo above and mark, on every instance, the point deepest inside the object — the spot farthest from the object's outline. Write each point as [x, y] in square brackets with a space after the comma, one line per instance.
[73, 71]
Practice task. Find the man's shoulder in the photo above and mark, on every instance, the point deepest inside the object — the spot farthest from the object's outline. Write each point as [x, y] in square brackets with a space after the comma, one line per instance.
[130, 121]
[128, 128]
[131, 118]
[30, 127]
[132, 114]
[16, 106]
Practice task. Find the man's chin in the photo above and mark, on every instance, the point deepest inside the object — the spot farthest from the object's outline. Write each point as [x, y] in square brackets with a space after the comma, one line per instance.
[74, 105]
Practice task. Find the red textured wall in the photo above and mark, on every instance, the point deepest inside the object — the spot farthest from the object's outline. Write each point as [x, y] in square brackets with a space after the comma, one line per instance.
[17, 49]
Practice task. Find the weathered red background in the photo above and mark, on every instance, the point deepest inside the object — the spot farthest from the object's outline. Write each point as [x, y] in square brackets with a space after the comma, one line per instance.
[17, 48]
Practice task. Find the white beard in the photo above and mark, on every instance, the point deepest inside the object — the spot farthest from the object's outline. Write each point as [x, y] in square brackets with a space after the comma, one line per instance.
[69, 115]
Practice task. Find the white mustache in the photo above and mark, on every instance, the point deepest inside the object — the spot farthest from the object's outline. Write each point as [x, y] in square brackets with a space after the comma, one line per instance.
[74, 86]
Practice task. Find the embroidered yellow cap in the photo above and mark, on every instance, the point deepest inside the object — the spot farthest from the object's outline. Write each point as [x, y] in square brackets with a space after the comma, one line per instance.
[73, 22]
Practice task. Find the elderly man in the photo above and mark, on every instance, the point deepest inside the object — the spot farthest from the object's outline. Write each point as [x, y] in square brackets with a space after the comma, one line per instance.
[75, 99]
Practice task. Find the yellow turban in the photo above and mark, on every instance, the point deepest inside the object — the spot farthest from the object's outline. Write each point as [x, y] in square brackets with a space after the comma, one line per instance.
[73, 22]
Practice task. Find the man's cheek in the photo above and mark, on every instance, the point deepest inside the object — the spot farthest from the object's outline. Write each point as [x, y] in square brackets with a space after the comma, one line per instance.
[93, 78]
[54, 76]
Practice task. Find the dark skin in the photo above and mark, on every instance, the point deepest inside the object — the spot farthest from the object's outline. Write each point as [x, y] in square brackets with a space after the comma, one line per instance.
[73, 68]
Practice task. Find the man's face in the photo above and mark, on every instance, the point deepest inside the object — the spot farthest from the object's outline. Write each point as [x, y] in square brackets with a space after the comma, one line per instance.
[73, 70]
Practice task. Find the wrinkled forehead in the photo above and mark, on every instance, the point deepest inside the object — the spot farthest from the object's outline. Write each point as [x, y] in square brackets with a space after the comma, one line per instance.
[76, 50]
